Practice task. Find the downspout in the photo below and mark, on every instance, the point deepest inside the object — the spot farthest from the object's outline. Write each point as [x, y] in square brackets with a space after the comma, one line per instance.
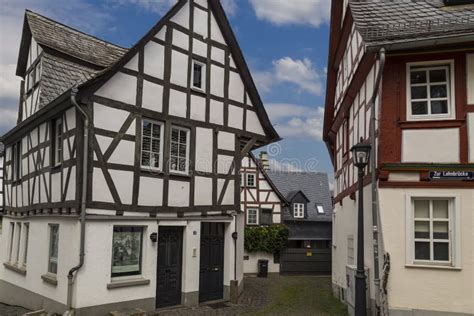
[70, 275]
[375, 209]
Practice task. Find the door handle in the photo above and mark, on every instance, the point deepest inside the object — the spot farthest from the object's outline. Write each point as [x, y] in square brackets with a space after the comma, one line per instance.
[215, 269]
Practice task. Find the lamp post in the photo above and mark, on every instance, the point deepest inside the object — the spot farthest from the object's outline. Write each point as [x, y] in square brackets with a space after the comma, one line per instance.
[361, 155]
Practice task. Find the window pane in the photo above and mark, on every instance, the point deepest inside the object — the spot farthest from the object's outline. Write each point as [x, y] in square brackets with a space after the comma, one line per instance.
[155, 161]
[440, 230]
[146, 144]
[182, 151]
[418, 77]
[145, 158]
[422, 250]
[146, 128]
[53, 249]
[440, 209]
[126, 247]
[174, 149]
[182, 164]
[438, 91]
[419, 92]
[422, 229]
[197, 77]
[439, 107]
[174, 163]
[441, 251]
[422, 209]
[156, 131]
[419, 108]
[438, 75]
[183, 135]
[174, 135]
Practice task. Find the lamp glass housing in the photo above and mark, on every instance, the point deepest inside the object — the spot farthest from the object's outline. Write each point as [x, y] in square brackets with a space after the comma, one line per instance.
[361, 154]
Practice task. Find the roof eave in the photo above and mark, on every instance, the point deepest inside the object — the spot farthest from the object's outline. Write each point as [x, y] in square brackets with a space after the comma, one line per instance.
[406, 44]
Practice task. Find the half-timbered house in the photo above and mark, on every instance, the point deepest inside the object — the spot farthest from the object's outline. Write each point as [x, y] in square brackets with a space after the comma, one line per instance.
[262, 204]
[401, 77]
[2, 150]
[122, 176]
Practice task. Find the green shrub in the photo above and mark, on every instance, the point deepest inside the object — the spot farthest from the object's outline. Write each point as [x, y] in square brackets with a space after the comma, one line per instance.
[270, 239]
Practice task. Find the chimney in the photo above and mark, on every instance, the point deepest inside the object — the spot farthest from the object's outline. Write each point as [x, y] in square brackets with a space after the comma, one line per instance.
[264, 160]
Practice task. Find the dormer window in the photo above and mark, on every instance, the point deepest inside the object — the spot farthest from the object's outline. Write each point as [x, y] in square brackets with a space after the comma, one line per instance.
[33, 77]
[298, 210]
[199, 75]
[250, 180]
[320, 209]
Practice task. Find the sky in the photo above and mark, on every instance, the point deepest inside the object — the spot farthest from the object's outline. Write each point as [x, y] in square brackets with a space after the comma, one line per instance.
[285, 44]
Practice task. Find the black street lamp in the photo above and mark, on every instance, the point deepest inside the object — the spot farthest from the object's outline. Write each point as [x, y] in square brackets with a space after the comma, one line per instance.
[361, 155]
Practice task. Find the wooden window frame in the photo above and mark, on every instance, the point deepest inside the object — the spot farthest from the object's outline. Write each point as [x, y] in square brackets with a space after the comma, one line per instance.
[257, 216]
[202, 88]
[426, 66]
[262, 210]
[132, 228]
[160, 153]
[298, 210]
[454, 233]
[188, 139]
[50, 248]
[254, 180]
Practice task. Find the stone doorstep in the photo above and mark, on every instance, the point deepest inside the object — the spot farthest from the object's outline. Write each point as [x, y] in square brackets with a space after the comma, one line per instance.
[129, 312]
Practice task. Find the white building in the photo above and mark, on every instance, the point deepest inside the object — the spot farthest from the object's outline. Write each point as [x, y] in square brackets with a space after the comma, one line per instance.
[153, 186]
[405, 68]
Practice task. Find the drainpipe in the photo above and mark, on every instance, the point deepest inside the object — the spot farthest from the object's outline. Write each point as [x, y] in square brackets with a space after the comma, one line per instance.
[375, 210]
[70, 275]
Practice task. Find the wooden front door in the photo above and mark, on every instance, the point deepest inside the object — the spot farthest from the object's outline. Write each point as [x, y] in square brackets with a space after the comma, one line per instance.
[211, 273]
[170, 251]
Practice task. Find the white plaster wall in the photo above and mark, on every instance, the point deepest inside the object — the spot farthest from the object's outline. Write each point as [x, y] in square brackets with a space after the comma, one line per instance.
[123, 181]
[124, 153]
[470, 128]
[430, 145]
[470, 78]
[202, 191]
[226, 141]
[216, 112]
[198, 108]
[154, 60]
[216, 33]
[236, 87]
[253, 123]
[236, 117]
[100, 190]
[179, 68]
[344, 224]
[428, 289]
[177, 103]
[151, 192]
[200, 22]
[217, 81]
[92, 279]
[251, 265]
[121, 87]
[229, 193]
[182, 16]
[178, 193]
[1, 180]
[38, 250]
[203, 160]
[102, 115]
[191, 257]
[152, 96]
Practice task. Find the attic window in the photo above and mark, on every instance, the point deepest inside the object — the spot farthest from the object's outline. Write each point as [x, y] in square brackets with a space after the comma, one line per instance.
[298, 210]
[320, 209]
[199, 75]
[33, 77]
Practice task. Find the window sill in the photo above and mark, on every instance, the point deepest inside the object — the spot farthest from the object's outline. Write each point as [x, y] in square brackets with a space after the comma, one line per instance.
[198, 91]
[127, 283]
[14, 268]
[180, 174]
[426, 266]
[50, 278]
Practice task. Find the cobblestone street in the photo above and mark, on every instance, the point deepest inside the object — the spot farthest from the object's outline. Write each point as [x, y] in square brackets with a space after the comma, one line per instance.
[275, 295]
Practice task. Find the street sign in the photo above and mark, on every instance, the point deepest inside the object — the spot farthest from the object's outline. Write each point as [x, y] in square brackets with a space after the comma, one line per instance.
[452, 175]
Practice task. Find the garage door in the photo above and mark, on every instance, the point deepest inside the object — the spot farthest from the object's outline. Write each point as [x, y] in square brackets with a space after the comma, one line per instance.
[305, 261]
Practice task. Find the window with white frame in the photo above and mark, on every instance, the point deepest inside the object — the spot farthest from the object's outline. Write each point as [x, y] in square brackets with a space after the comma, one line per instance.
[430, 91]
[320, 209]
[199, 75]
[152, 145]
[26, 229]
[431, 236]
[298, 210]
[252, 216]
[179, 151]
[53, 248]
[250, 179]
[57, 142]
[127, 250]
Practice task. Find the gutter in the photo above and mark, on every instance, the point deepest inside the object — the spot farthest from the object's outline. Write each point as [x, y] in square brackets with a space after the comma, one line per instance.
[373, 162]
[70, 275]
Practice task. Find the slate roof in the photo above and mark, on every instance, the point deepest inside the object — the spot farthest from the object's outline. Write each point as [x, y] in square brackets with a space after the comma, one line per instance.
[2, 149]
[72, 42]
[384, 21]
[59, 75]
[315, 187]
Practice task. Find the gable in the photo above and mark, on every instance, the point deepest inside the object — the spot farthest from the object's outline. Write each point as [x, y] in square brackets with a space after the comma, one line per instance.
[156, 73]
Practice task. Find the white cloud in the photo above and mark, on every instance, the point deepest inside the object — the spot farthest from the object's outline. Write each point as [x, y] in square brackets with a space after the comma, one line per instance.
[161, 6]
[298, 72]
[284, 12]
[291, 120]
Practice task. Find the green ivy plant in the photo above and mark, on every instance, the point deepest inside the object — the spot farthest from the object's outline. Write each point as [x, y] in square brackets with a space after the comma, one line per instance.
[270, 239]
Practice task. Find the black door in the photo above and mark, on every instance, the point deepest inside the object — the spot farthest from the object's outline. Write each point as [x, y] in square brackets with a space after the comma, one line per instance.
[211, 277]
[170, 250]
